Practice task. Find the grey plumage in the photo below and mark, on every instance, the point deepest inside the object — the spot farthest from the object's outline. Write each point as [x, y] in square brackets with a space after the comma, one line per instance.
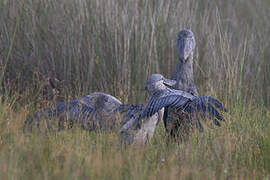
[183, 73]
[89, 112]
[130, 114]
[175, 99]
[95, 111]
[98, 111]
[188, 108]
[57, 111]
[101, 111]
[167, 98]
[130, 122]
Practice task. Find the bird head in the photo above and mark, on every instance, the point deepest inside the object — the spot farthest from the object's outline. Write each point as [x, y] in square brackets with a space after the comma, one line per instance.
[157, 82]
[185, 44]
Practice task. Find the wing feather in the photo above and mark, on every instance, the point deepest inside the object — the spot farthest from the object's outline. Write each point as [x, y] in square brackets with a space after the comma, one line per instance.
[206, 105]
[130, 115]
[169, 99]
[93, 107]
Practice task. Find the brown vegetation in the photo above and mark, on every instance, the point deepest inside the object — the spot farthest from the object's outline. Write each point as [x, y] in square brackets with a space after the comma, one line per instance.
[56, 50]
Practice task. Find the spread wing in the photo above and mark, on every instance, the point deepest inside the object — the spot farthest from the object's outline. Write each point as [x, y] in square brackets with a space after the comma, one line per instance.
[84, 111]
[168, 98]
[178, 121]
[199, 108]
[130, 114]
[95, 111]
[49, 113]
[206, 105]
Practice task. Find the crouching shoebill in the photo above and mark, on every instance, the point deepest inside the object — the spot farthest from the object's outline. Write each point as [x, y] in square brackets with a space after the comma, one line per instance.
[98, 112]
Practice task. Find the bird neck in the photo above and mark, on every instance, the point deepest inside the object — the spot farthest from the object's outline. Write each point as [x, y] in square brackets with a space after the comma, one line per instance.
[184, 71]
[183, 74]
[155, 88]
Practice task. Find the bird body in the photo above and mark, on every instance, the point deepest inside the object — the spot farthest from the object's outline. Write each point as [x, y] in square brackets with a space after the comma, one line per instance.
[183, 75]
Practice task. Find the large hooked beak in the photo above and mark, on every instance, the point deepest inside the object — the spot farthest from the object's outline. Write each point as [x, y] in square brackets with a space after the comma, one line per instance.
[169, 82]
[185, 48]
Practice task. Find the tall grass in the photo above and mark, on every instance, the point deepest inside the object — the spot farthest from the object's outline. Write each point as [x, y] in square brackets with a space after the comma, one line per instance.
[113, 46]
[237, 150]
[55, 50]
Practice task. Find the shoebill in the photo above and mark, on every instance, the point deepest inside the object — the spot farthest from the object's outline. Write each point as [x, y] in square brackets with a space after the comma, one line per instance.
[186, 109]
[98, 112]
[182, 74]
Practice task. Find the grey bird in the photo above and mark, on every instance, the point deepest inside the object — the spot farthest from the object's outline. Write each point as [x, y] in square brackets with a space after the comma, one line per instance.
[144, 126]
[183, 76]
[96, 106]
[183, 73]
[182, 104]
[99, 111]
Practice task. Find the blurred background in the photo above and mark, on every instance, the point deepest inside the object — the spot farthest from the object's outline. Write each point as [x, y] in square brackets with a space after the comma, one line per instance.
[55, 50]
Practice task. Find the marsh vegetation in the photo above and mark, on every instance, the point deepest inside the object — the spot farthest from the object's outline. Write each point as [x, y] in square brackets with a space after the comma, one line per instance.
[57, 50]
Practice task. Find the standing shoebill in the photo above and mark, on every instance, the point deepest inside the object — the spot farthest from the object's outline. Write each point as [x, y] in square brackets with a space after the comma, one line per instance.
[183, 106]
[183, 75]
